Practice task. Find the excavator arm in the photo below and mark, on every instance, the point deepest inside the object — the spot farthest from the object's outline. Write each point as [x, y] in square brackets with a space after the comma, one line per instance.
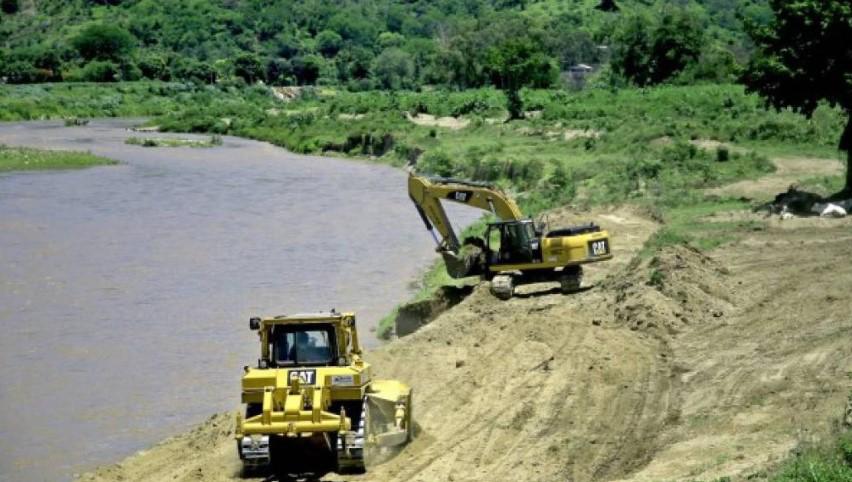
[427, 194]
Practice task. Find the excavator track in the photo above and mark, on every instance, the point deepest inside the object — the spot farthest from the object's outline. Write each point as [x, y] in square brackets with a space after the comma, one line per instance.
[503, 286]
[571, 279]
[350, 446]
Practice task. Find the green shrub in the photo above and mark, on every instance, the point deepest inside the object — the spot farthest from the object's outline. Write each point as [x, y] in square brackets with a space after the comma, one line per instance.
[100, 71]
[438, 163]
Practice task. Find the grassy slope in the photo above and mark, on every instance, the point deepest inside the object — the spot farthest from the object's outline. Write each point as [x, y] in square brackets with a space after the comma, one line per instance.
[24, 159]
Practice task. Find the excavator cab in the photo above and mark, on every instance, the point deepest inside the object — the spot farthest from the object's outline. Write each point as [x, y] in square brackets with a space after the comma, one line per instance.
[518, 242]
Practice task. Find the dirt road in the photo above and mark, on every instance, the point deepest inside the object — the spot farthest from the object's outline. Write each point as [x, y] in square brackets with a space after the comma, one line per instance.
[684, 366]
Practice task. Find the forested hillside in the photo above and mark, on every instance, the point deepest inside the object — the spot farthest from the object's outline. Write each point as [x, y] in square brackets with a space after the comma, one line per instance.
[367, 44]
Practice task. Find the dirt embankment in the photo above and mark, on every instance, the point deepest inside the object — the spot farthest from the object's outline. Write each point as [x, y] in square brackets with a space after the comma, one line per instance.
[683, 366]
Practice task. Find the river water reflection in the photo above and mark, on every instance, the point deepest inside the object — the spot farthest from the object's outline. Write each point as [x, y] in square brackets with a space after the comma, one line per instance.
[125, 291]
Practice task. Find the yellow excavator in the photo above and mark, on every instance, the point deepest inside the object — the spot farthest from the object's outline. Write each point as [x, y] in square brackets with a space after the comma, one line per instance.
[514, 250]
[312, 397]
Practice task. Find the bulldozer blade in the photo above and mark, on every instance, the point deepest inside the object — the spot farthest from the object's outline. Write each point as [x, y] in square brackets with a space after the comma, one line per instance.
[389, 414]
[391, 439]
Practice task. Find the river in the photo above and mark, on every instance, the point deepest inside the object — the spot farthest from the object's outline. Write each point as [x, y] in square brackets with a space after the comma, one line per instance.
[125, 291]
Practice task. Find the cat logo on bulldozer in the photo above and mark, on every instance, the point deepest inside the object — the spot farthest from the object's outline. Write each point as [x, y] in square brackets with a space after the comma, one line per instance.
[306, 377]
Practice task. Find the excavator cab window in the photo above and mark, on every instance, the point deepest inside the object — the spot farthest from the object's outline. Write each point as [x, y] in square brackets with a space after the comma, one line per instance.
[303, 345]
[516, 242]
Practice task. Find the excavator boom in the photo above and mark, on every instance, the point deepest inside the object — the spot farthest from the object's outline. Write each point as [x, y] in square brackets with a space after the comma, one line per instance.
[427, 194]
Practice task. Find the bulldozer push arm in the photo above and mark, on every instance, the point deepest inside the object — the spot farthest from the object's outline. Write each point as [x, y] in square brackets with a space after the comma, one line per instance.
[427, 193]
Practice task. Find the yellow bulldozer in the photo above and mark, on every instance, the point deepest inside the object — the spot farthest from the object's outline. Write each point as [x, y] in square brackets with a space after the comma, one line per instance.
[312, 392]
[513, 250]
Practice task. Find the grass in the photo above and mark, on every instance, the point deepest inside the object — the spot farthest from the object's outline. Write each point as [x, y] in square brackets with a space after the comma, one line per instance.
[829, 462]
[688, 224]
[26, 159]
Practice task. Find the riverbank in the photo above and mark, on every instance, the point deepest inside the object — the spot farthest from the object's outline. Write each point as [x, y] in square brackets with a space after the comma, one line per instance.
[622, 382]
[709, 369]
[27, 159]
[153, 267]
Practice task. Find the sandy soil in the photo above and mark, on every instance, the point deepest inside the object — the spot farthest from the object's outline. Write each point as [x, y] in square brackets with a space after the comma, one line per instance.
[719, 367]
[453, 123]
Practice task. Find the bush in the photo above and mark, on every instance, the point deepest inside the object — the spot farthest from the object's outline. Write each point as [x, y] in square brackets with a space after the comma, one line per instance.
[100, 71]
[248, 68]
[154, 66]
[21, 72]
[438, 163]
[193, 70]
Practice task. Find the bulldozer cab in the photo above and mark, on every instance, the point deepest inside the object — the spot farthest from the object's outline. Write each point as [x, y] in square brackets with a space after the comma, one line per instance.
[512, 242]
[316, 339]
[305, 345]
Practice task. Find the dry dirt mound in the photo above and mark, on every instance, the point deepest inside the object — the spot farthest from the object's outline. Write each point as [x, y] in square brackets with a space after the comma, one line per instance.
[717, 365]
[688, 288]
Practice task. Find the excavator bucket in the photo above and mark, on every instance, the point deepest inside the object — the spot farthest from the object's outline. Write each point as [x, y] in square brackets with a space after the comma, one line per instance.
[469, 262]
[389, 413]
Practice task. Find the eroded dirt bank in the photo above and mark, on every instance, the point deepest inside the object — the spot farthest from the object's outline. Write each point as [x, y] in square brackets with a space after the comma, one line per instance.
[717, 365]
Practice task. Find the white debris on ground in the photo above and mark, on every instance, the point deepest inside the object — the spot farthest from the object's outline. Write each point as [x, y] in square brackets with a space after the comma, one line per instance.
[832, 210]
[286, 94]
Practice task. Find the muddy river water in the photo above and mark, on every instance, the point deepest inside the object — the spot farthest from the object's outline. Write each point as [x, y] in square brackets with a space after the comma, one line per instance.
[125, 291]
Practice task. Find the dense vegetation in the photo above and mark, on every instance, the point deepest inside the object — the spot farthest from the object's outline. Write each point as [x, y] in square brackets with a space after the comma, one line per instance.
[803, 58]
[361, 44]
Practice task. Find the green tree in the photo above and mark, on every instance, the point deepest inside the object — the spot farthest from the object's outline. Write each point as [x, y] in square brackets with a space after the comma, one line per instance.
[307, 69]
[519, 62]
[279, 71]
[394, 69]
[249, 68]
[329, 43]
[104, 42]
[649, 52]
[803, 57]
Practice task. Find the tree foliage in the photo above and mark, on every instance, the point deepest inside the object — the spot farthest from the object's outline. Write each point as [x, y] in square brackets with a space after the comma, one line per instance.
[10, 7]
[804, 57]
[249, 68]
[104, 42]
[652, 51]
[449, 43]
[394, 69]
